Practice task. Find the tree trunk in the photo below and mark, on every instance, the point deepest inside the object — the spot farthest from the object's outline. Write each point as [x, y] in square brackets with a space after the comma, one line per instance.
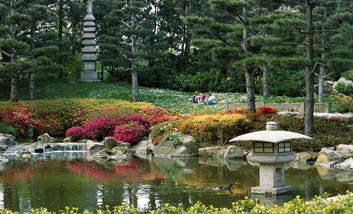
[14, 80]
[322, 68]
[265, 80]
[309, 100]
[14, 92]
[31, 74]
[135, 89]
[249, 74]
[31, 86]
[60, 35]
[321, 84]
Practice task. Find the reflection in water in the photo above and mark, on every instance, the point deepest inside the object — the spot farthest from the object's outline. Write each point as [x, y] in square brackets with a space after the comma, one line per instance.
[53, 181]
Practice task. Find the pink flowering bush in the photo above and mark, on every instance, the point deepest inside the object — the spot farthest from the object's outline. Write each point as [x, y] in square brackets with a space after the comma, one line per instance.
[130, 132]
[104, 125]
[76, 132]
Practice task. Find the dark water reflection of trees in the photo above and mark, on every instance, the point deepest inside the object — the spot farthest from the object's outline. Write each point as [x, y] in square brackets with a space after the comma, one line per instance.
[147, 184]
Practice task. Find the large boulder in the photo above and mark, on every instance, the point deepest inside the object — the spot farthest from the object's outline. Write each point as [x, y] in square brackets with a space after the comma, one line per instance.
[118, 152]
[304, 157]
[46, 138]
[91, 146]
[69, 139]
[168, 148]
[144, 147]
[215, 151]
[347, 165]
[345, 150]
[6, 141]
[234, 152]
[327, 155]
[109, 143]
[342, 80]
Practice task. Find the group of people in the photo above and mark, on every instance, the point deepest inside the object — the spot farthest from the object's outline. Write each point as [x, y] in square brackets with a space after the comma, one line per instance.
[203, 99]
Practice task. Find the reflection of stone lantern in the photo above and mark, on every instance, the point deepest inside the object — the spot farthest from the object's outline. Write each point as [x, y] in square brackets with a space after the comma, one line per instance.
[271, 149]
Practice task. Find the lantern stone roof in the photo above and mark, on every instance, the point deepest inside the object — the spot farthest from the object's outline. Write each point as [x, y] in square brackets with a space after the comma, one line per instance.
[270, 135]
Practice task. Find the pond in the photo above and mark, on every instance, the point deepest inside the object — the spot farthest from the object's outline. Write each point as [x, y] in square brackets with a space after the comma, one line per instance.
[69, 179]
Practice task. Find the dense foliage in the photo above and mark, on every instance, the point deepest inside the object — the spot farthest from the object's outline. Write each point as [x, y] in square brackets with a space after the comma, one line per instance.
[130, 121]
[342, 204]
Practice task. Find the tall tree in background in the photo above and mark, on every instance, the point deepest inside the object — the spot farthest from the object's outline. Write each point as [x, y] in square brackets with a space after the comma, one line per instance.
[131, 23]
[21, 17]
[229, 34]
[332, 17]
[304, 24]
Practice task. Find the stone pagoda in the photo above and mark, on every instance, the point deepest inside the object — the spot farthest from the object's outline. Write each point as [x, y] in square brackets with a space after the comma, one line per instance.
[89, 41]
[271, 149]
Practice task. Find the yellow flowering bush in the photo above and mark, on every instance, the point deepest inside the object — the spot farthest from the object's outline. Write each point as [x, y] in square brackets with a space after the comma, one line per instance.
[340, 204]
[215, 129]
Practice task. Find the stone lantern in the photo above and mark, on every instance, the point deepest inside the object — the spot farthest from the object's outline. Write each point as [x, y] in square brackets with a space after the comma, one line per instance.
[271, 149]
[89, 50]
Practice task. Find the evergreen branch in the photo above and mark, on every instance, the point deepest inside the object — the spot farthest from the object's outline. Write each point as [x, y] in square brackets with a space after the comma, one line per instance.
[125, 43]
[223, 40]
[333, 72]
[128, 58]
[140, 62]
[25, 56]
[24, 31]
[126, 24]
[312, 1]
[19, 8]
[3, 63]
[317, 63]
[258, 12]
[128, 69]
[140, 41]
[296, 3]
[334, 31]
[7, 54]
[29, 71]
[239, 18]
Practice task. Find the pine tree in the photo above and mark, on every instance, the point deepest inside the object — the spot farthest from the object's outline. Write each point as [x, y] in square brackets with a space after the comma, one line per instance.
[229, 33]
[21, 17]
[131, 25]
[332, 18]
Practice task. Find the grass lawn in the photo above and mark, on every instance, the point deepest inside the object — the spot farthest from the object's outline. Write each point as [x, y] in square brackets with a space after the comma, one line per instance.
[171, 99]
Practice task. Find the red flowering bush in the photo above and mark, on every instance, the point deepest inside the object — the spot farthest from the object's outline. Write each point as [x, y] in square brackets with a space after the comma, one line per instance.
[76, 132]
[130, 132]
[156, 114]
[268, 111]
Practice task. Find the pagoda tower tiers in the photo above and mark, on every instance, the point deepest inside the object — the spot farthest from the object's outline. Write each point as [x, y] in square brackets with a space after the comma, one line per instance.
[89, 42]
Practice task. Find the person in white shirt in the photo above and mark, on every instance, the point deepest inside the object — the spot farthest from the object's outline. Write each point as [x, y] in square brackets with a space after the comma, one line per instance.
[211, 100]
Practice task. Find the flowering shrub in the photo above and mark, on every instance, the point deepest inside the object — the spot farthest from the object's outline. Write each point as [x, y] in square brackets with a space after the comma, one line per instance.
[163, 129]
[340, 204]
[76, 132]
[55, 117]
[104, 125]
[342, 104]
[215, 129]
[156, 114]
[130, 132]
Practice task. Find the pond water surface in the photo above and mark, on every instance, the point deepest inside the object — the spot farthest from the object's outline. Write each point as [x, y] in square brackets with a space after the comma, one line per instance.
[68, 179]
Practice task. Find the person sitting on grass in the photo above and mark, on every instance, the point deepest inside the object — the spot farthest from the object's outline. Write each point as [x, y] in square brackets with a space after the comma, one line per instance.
[211, 100]
[196, 97]
[203, 97]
